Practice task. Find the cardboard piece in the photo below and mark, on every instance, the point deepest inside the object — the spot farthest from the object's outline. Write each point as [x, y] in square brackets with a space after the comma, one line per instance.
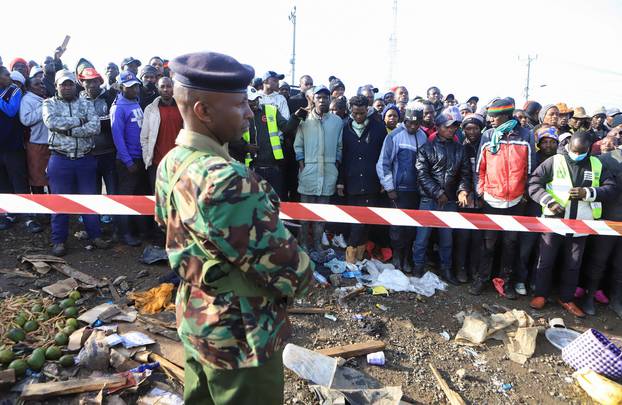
[110, 312]
[78, 275]
[353, 350]
[52, 389]
[62, 288]
[522, 346]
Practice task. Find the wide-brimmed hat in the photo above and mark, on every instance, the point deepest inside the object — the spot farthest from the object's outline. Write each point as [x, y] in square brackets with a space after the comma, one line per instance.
[579, 113]
[564, 109]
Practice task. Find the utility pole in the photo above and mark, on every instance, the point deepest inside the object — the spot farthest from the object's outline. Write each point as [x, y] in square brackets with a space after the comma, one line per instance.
[529, 60]
[392, 47]
[292, 18]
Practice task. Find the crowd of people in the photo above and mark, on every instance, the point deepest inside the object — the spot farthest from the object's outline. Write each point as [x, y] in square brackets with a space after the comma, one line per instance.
[76, 131]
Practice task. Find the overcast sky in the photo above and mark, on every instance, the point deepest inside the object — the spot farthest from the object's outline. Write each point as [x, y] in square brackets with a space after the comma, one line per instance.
[464, 47]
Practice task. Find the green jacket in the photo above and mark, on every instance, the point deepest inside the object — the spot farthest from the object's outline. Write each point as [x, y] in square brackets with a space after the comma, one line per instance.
[235, 215]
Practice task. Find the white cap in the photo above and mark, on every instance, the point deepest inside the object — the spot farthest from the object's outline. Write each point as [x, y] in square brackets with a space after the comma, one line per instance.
[18, 77]
[252, 93]
[64, 75]
[35, 71]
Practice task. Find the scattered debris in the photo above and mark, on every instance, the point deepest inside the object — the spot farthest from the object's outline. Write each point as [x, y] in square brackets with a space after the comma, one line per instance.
[331, 317]
[154, 300]
[62, 288]
[376, 358]
[153, 254]
[158, 396]
[353, 350]
[445, 335]
[306, 311]
[78, 275]
[452, 396]
[108, 312]
[17, 273]
[51, 389]
[599, 388]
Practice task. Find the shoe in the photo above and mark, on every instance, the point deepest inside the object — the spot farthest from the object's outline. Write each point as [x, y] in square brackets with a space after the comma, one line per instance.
[360, 252]
[5, 223]
[476, 287]
[99, 243]
[386, 254]
[601, 298]
[339, 241]
[520, 289]
[616, 299]
[418, 271]
[408, 267]
[448, 275]
[587, 303]
[508, 290]
[538, 302]
[129, 240]
[579, 292]
[462, 276]
[325, 240]
[106, 219]
[58, 249]
[33, 226]
[572, 308]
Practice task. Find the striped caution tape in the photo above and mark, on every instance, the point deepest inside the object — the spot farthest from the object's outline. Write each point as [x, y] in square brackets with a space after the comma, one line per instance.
[143, 205]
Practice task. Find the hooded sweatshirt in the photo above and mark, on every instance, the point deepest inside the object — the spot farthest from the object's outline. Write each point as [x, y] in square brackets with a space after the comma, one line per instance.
[31, 115]
[126, 118]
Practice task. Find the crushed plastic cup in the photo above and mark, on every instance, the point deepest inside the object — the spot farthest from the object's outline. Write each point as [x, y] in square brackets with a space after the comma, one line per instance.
[376, 359]
[331, 317]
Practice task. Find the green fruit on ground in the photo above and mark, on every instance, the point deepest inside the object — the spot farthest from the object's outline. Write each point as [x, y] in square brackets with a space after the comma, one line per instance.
[16, 334]
[31, 326]
[61, 339]
[19, 366]
[67, 360]
[37, 308]
[75, 295]
[73, 322]
[53, 310]
[60, 324]
[68, 330]
[43, 317]
[35, 360]
[67, 302]
[71, 312]
[40, 351]
[6, 356]
[52, 353]
[20, 320]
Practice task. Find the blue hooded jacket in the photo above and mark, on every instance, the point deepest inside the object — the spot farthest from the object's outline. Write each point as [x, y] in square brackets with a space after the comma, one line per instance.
[126, 118]
[396, 165]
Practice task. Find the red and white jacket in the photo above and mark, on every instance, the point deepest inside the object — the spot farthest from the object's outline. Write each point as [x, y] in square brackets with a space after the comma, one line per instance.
[502, 177]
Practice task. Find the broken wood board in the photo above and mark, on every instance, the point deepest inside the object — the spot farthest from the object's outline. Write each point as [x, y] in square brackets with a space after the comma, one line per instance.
[169, 368]
[169, 349]
[111, 312]
[42, 258]
[17, 273]
[7, 376]
[452, 396]
[353, 350]
[306, 311]
[51, 389]
[62, 288]
[78, 275]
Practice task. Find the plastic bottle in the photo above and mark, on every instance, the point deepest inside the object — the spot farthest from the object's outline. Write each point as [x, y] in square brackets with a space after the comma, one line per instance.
[320, 278]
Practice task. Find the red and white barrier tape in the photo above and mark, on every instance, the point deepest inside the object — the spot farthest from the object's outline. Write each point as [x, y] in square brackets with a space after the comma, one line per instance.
[143, 205]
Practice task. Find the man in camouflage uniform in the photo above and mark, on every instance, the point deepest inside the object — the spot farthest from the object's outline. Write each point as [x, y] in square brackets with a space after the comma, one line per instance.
[238, 263]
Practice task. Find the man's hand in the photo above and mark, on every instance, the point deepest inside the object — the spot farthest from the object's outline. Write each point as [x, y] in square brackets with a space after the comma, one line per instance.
[556, 208]
[58, 53]
[302, 113]
[442, 200]
[133, 169]
[463, 199]
[340, 190]
[392, 195]
[301, 165]
[577, 193]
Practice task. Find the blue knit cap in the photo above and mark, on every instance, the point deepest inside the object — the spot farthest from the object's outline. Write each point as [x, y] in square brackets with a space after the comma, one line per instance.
[390, 107]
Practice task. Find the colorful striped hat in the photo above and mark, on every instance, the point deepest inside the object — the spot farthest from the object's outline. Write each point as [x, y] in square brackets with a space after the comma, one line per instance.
[501, 106]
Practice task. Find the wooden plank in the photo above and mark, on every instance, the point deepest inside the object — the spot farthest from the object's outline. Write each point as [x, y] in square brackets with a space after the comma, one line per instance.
[170, 368]
[171, 350]
[51, 389]
[42, 258]
[78, 275]
[452, 396]
[7, 376]
[306, 311]
[17, 273]
[353, 350]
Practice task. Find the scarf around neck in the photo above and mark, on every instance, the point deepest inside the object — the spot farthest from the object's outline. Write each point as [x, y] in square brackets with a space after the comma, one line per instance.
[497, 134]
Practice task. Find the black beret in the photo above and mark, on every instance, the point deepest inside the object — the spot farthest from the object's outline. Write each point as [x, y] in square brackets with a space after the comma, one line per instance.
[211, 71]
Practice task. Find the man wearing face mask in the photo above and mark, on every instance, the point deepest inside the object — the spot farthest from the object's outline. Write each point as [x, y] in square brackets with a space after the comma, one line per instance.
[570, 185]
[149, 90]
[358, 180]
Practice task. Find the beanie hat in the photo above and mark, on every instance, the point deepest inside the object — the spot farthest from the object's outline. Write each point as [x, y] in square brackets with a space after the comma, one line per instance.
[473, 118]
[334, 83]
[18, 77]
[546, 132]
[543, 112]
[19, 60]
[532, 107]
[388, 108]
[500, 107]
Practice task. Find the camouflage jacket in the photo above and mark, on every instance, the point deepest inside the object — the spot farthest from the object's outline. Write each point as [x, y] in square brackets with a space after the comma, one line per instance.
[234, 214]
[73, 125]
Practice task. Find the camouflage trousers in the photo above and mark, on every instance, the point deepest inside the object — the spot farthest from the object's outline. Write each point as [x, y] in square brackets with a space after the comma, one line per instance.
[245, 386]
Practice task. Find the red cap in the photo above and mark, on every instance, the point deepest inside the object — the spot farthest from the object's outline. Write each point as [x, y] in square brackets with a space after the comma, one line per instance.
[89, 73]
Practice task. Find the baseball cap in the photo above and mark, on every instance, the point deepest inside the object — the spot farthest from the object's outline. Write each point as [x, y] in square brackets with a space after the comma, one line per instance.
[612, 111]
[128, 79]
[465, 106]
[252, 93]
[129, 60]
[148, 69]
[473, 98]
[450, 96]
[64, 75]
[367, 86]
[413, 112]
[448, 117]
[271, 73]
[35, 71]
[334, 83]
[89, 73]
[320, 88]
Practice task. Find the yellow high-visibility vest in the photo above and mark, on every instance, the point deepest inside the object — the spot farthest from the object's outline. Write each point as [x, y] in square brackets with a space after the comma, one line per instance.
[559, 187]
[273, 131]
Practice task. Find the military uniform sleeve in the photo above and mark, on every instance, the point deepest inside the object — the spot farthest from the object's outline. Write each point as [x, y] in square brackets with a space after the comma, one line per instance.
[238, 217]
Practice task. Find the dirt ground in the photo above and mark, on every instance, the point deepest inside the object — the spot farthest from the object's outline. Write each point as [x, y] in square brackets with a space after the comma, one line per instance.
[411, 327]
